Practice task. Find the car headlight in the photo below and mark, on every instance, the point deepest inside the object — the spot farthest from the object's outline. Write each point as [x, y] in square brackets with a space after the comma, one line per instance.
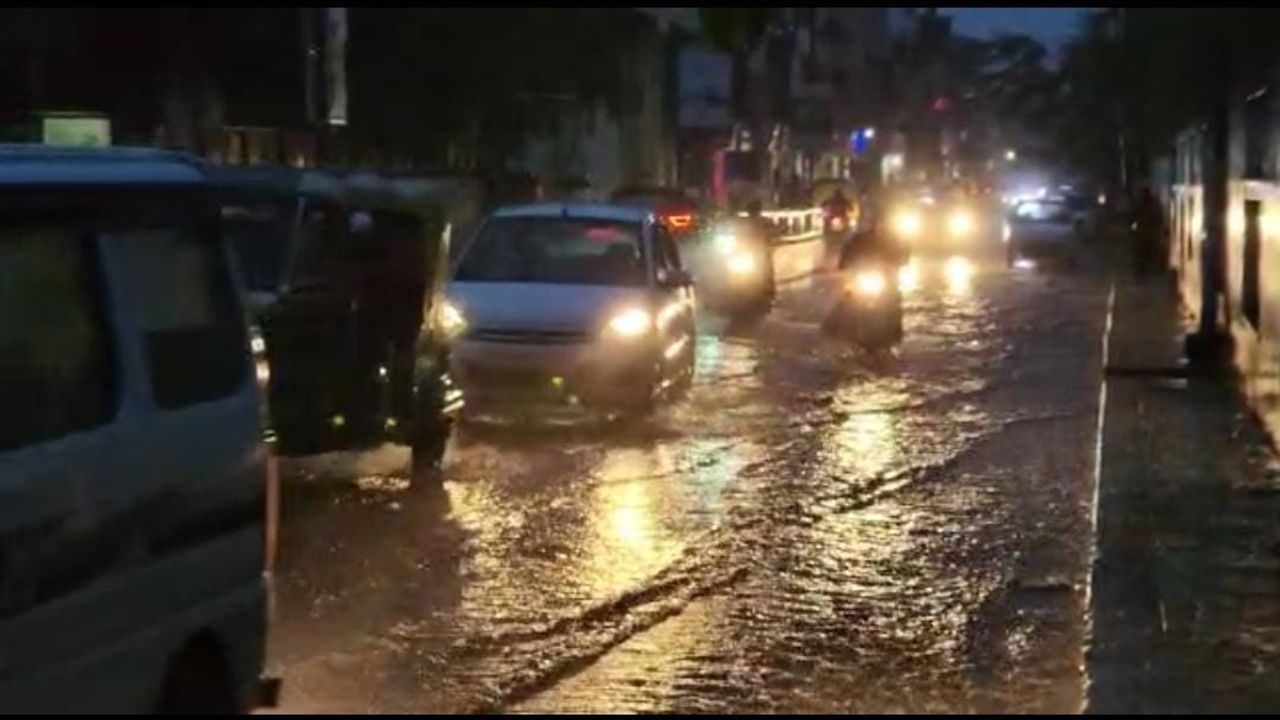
[870, 283]
[742, 264]
[960, 224]
[452, 321]
[907, 224]
[630, 323]
[726, 242]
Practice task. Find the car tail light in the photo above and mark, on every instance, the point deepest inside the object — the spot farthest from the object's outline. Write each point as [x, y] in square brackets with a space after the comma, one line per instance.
[679, 221]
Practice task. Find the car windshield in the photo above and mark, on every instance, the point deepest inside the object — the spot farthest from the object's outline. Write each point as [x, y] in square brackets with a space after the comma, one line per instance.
[1041, 211]
[556, 250]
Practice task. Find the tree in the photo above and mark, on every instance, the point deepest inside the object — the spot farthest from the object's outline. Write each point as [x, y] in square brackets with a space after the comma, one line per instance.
[421, 78]
[1132, 78]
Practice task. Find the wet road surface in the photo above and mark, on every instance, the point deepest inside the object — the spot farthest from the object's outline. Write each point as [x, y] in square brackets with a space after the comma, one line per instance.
[815, 529]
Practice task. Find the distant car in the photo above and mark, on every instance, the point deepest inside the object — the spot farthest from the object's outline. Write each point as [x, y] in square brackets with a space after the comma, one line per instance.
[947, 236]
[1040, 231]
[682, 215]
[573, 304]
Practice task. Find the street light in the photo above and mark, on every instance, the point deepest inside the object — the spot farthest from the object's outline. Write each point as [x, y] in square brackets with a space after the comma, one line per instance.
[1010, 155]
[870, 133]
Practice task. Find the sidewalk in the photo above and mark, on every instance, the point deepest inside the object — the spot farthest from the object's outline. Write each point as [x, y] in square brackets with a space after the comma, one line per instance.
[1186, 584]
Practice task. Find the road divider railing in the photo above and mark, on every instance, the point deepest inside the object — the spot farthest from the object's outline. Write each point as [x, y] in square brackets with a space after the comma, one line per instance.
[795, 225]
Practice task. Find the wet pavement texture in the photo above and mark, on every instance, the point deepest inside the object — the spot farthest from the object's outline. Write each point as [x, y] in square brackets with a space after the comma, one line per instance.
[1186, 603]
[815, 529]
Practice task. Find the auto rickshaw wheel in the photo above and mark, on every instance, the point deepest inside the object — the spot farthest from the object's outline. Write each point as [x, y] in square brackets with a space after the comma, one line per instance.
[426, 453]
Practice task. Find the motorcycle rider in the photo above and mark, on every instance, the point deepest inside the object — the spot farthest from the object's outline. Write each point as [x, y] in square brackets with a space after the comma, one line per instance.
[836, 207]
[870, 249]
[762, 233]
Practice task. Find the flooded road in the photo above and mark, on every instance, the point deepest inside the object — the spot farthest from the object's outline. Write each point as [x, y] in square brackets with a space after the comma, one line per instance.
[814, 530]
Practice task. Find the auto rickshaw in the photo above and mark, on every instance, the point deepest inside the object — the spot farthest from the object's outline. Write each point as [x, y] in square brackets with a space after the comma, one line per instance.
[345, 274]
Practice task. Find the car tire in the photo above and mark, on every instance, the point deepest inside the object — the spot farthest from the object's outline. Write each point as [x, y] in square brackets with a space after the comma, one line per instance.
[683, 385]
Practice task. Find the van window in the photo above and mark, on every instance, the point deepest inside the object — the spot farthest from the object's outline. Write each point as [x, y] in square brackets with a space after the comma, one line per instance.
[57, 370]
[191, 331]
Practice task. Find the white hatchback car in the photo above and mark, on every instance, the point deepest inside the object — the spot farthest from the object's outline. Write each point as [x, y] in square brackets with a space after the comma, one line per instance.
[574, 304]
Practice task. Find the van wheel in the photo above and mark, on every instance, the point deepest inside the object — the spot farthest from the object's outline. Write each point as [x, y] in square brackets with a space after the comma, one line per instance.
[198, 682]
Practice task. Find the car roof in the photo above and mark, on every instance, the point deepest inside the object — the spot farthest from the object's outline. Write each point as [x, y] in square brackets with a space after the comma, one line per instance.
[27, 164]
[590, 211]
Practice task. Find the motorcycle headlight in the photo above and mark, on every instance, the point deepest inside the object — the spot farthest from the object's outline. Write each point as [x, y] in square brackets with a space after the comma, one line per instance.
[870, 283]
[907, 224]
[742, 264]
[630, 323]
[960, 224]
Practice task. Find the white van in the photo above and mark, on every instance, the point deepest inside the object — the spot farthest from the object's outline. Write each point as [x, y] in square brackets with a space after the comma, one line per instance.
[133, 474]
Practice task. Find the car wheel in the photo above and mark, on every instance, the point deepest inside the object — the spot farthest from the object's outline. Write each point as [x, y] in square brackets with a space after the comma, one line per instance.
[682, 385]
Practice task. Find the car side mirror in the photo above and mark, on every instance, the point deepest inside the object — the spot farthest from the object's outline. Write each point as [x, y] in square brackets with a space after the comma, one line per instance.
[674, 278]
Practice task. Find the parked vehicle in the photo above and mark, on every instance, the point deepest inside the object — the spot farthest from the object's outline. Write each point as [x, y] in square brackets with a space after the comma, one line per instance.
[573, 304]
[137, 487]
[1042, 231]
[683, 216]
[346, 287]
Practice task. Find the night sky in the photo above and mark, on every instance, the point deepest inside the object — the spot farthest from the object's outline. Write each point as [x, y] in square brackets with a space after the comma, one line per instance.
[1052, 26]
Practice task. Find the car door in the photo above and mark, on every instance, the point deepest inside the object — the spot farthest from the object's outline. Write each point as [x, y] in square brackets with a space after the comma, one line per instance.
[674, 307]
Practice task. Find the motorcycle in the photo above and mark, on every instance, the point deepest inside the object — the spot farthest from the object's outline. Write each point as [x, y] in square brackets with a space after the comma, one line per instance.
[868, 310]
[734, 270]
[835, 222]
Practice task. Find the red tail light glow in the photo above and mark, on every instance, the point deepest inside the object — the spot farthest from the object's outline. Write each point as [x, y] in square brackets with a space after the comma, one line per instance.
[679, 222]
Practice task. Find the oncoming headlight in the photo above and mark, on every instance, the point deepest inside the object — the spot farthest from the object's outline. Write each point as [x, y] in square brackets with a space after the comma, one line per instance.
[630, 323]
[742, 264]
[870, 283]
[960, 223]
[907, 223]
